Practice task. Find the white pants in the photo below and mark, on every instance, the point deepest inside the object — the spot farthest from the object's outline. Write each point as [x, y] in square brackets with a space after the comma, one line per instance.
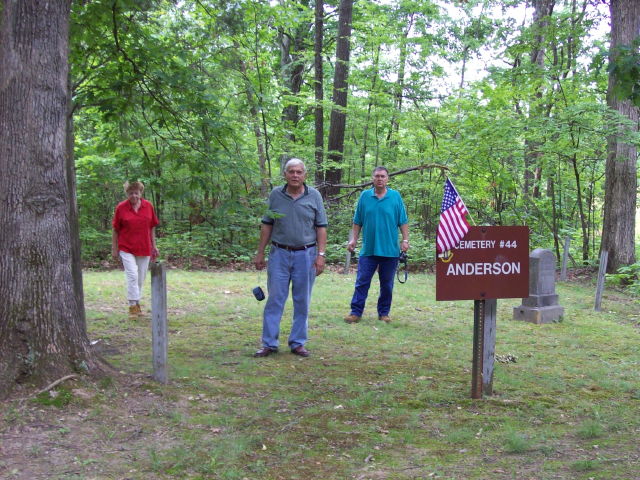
[135, 269]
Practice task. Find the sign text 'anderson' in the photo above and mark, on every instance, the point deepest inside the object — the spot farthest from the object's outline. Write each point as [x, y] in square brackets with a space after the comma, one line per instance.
[490, 262]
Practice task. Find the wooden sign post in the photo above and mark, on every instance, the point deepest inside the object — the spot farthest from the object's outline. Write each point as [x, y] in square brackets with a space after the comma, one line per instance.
[487, 264]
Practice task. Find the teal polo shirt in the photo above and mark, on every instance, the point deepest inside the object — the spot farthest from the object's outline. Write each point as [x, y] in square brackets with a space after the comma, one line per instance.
[380, 219]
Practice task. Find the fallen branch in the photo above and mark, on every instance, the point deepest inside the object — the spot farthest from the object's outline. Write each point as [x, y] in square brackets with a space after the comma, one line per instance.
[57, 382]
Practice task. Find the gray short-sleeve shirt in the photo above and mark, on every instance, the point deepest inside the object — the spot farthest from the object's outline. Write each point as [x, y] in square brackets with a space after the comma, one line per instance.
[297, 218]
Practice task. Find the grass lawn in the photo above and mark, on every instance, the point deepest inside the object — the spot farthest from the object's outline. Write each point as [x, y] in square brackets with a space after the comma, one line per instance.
[374, 400]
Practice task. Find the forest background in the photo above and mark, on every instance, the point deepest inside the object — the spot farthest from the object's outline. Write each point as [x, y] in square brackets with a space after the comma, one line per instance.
[204, 100]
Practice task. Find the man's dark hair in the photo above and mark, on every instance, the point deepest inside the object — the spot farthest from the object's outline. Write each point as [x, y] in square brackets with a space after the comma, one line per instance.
[378, 168]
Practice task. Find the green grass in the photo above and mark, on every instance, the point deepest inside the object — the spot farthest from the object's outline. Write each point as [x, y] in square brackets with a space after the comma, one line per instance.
[373, 401]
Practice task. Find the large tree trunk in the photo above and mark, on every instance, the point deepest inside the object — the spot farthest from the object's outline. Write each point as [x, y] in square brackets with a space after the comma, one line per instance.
[261, 141]
[319, 91]
[532, 157]
[72, 204]
[618, 229]
[292, 66]
[340, 90]
[42, 329]
[398, 89]
[372, 93]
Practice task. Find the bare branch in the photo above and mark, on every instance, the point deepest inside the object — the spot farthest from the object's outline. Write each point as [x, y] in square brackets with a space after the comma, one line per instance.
[392, 174]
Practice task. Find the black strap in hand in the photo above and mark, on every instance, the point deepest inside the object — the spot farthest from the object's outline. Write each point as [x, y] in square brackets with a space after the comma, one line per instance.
[403, 267]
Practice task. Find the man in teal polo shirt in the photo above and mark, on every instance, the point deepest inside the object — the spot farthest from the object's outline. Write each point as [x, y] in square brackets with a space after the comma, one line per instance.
[379, 214]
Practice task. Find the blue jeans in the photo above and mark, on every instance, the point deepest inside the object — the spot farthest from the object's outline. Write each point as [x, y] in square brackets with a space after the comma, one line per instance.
[367, 266]
[283, 269]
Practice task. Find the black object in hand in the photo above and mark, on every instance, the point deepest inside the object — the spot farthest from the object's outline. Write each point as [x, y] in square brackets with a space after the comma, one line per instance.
[403, 265]
[258, 293]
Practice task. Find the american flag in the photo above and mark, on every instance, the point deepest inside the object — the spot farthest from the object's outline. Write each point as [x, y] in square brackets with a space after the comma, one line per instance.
[453, 224]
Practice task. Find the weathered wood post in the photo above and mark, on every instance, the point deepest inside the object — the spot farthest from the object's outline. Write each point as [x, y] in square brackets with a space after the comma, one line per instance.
[489, 345]
[602, 271]
[565, 258]
[484, 347]
[159, 332]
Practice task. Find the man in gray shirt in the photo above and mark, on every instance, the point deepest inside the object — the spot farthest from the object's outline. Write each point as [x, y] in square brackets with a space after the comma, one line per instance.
[296, 227]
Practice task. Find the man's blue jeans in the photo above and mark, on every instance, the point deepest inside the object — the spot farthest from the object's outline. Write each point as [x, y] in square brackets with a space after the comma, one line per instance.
[386, 273]
[288, 268]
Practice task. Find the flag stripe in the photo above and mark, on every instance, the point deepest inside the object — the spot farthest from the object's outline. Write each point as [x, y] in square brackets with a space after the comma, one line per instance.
[453, 225]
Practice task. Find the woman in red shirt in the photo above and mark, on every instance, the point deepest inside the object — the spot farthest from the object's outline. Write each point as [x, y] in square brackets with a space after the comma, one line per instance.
[134, 240]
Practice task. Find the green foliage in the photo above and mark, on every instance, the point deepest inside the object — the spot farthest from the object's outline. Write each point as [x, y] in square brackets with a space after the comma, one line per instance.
[625, 68]
[182, 95]
[627, 277]
[95, 244]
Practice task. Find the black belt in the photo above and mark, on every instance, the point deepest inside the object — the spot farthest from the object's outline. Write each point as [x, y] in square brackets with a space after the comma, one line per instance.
[293, 249]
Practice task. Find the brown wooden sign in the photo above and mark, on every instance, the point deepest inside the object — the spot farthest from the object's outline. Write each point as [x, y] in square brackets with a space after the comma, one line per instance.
[489, 262]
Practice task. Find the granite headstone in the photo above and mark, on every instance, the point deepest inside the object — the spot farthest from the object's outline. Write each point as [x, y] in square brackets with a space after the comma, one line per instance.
[541, 306]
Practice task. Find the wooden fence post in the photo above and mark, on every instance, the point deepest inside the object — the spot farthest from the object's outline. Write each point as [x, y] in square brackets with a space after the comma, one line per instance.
[159, 332]
[604, 257]
[565, 258]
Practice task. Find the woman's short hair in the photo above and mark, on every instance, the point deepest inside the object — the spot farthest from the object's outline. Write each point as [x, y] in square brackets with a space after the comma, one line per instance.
[130, 186]
[294, 162]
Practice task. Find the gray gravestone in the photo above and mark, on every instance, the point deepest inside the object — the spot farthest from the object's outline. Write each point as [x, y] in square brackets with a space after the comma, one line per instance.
[541, 306]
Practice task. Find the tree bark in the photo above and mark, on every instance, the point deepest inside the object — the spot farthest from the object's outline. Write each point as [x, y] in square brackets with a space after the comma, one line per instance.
[42, 330]
[319, 91]
[620, 203]
[372, 92]
[532, 157]
[292, 65]
[263, 159]
[340, 90]
[72, 204]
[398, 89]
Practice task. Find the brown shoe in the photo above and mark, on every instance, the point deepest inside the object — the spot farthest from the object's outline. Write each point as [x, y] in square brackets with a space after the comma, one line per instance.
[385, 318]
[301, 351]
[352, 318]
[265, 352]
[135, 310]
